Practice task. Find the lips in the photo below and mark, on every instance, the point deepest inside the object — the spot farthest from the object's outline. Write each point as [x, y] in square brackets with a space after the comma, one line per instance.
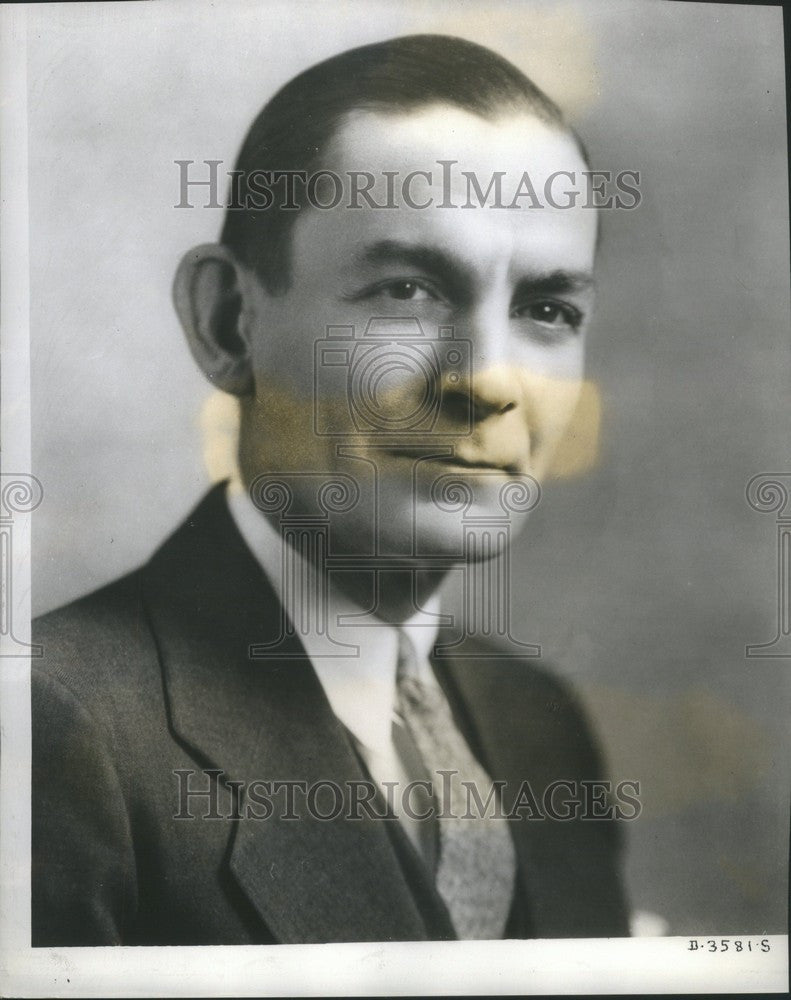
[454, 461]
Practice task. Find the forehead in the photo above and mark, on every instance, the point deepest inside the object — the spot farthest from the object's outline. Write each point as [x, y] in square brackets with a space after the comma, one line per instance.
[512, 145]
[511, 141]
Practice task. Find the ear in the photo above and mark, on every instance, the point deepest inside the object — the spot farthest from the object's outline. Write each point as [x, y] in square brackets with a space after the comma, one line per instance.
[207, 294]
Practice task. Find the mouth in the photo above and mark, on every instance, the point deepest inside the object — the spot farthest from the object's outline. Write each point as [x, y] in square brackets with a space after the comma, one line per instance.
[454, 462]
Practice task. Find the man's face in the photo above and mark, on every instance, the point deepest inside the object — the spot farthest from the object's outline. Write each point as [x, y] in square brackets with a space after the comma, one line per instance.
[473, 365]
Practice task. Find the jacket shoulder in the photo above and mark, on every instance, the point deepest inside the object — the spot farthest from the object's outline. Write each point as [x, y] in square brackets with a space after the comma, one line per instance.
[99, 638]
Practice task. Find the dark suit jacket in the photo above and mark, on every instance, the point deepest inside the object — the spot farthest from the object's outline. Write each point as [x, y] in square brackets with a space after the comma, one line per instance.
[151, 675]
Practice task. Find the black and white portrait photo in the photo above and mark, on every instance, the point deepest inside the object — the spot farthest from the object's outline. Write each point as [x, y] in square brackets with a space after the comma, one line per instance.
[396, 498]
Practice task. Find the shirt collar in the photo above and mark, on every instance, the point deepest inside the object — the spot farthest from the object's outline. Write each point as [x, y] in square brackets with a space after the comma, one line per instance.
[360, 684]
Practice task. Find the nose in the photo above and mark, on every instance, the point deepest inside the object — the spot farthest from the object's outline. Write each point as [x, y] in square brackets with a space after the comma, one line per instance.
[492, 387]
[494, 392]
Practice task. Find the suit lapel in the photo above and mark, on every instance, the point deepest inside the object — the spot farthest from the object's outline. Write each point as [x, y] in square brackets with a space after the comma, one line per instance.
[310, 880]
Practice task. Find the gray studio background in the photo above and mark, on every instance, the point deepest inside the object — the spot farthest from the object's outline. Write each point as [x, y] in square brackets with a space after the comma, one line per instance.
[644, 580]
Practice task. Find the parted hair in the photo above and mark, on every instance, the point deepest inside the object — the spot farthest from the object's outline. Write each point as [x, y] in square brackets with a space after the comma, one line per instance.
[293, 130]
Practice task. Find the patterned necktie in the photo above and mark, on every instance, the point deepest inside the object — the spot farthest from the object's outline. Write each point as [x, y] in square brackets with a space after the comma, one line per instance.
[477, 863]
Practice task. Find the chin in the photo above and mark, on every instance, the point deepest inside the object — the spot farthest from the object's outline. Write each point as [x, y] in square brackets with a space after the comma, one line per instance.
[481, 533]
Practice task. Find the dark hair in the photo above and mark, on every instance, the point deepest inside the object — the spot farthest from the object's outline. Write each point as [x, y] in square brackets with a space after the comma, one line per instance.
[401, 74]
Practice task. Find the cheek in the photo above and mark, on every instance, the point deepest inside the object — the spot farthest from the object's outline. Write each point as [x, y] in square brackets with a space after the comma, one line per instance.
[278, 432]
[283, 362]
[282, 334]
[562, 362]
[550, 400]
[563, 416]
[567, 415]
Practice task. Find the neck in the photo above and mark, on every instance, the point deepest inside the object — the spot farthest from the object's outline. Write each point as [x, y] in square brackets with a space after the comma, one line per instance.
[393, 595]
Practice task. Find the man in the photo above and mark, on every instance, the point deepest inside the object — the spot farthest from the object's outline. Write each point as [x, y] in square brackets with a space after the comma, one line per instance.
[402, 366]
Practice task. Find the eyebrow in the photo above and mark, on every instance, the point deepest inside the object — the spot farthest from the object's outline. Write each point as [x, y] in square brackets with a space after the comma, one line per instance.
[456, 275]
[444, 266]
[558, 282]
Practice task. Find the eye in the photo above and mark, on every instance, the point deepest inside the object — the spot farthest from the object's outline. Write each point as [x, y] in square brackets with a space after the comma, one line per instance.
[551, 313]
[405, 290]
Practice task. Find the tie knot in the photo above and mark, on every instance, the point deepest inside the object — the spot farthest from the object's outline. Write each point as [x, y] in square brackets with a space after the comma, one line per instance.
[411, 684]
[407, 665]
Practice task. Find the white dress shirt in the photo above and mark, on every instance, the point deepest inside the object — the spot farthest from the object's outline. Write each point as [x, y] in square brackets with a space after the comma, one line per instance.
[360, 686]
